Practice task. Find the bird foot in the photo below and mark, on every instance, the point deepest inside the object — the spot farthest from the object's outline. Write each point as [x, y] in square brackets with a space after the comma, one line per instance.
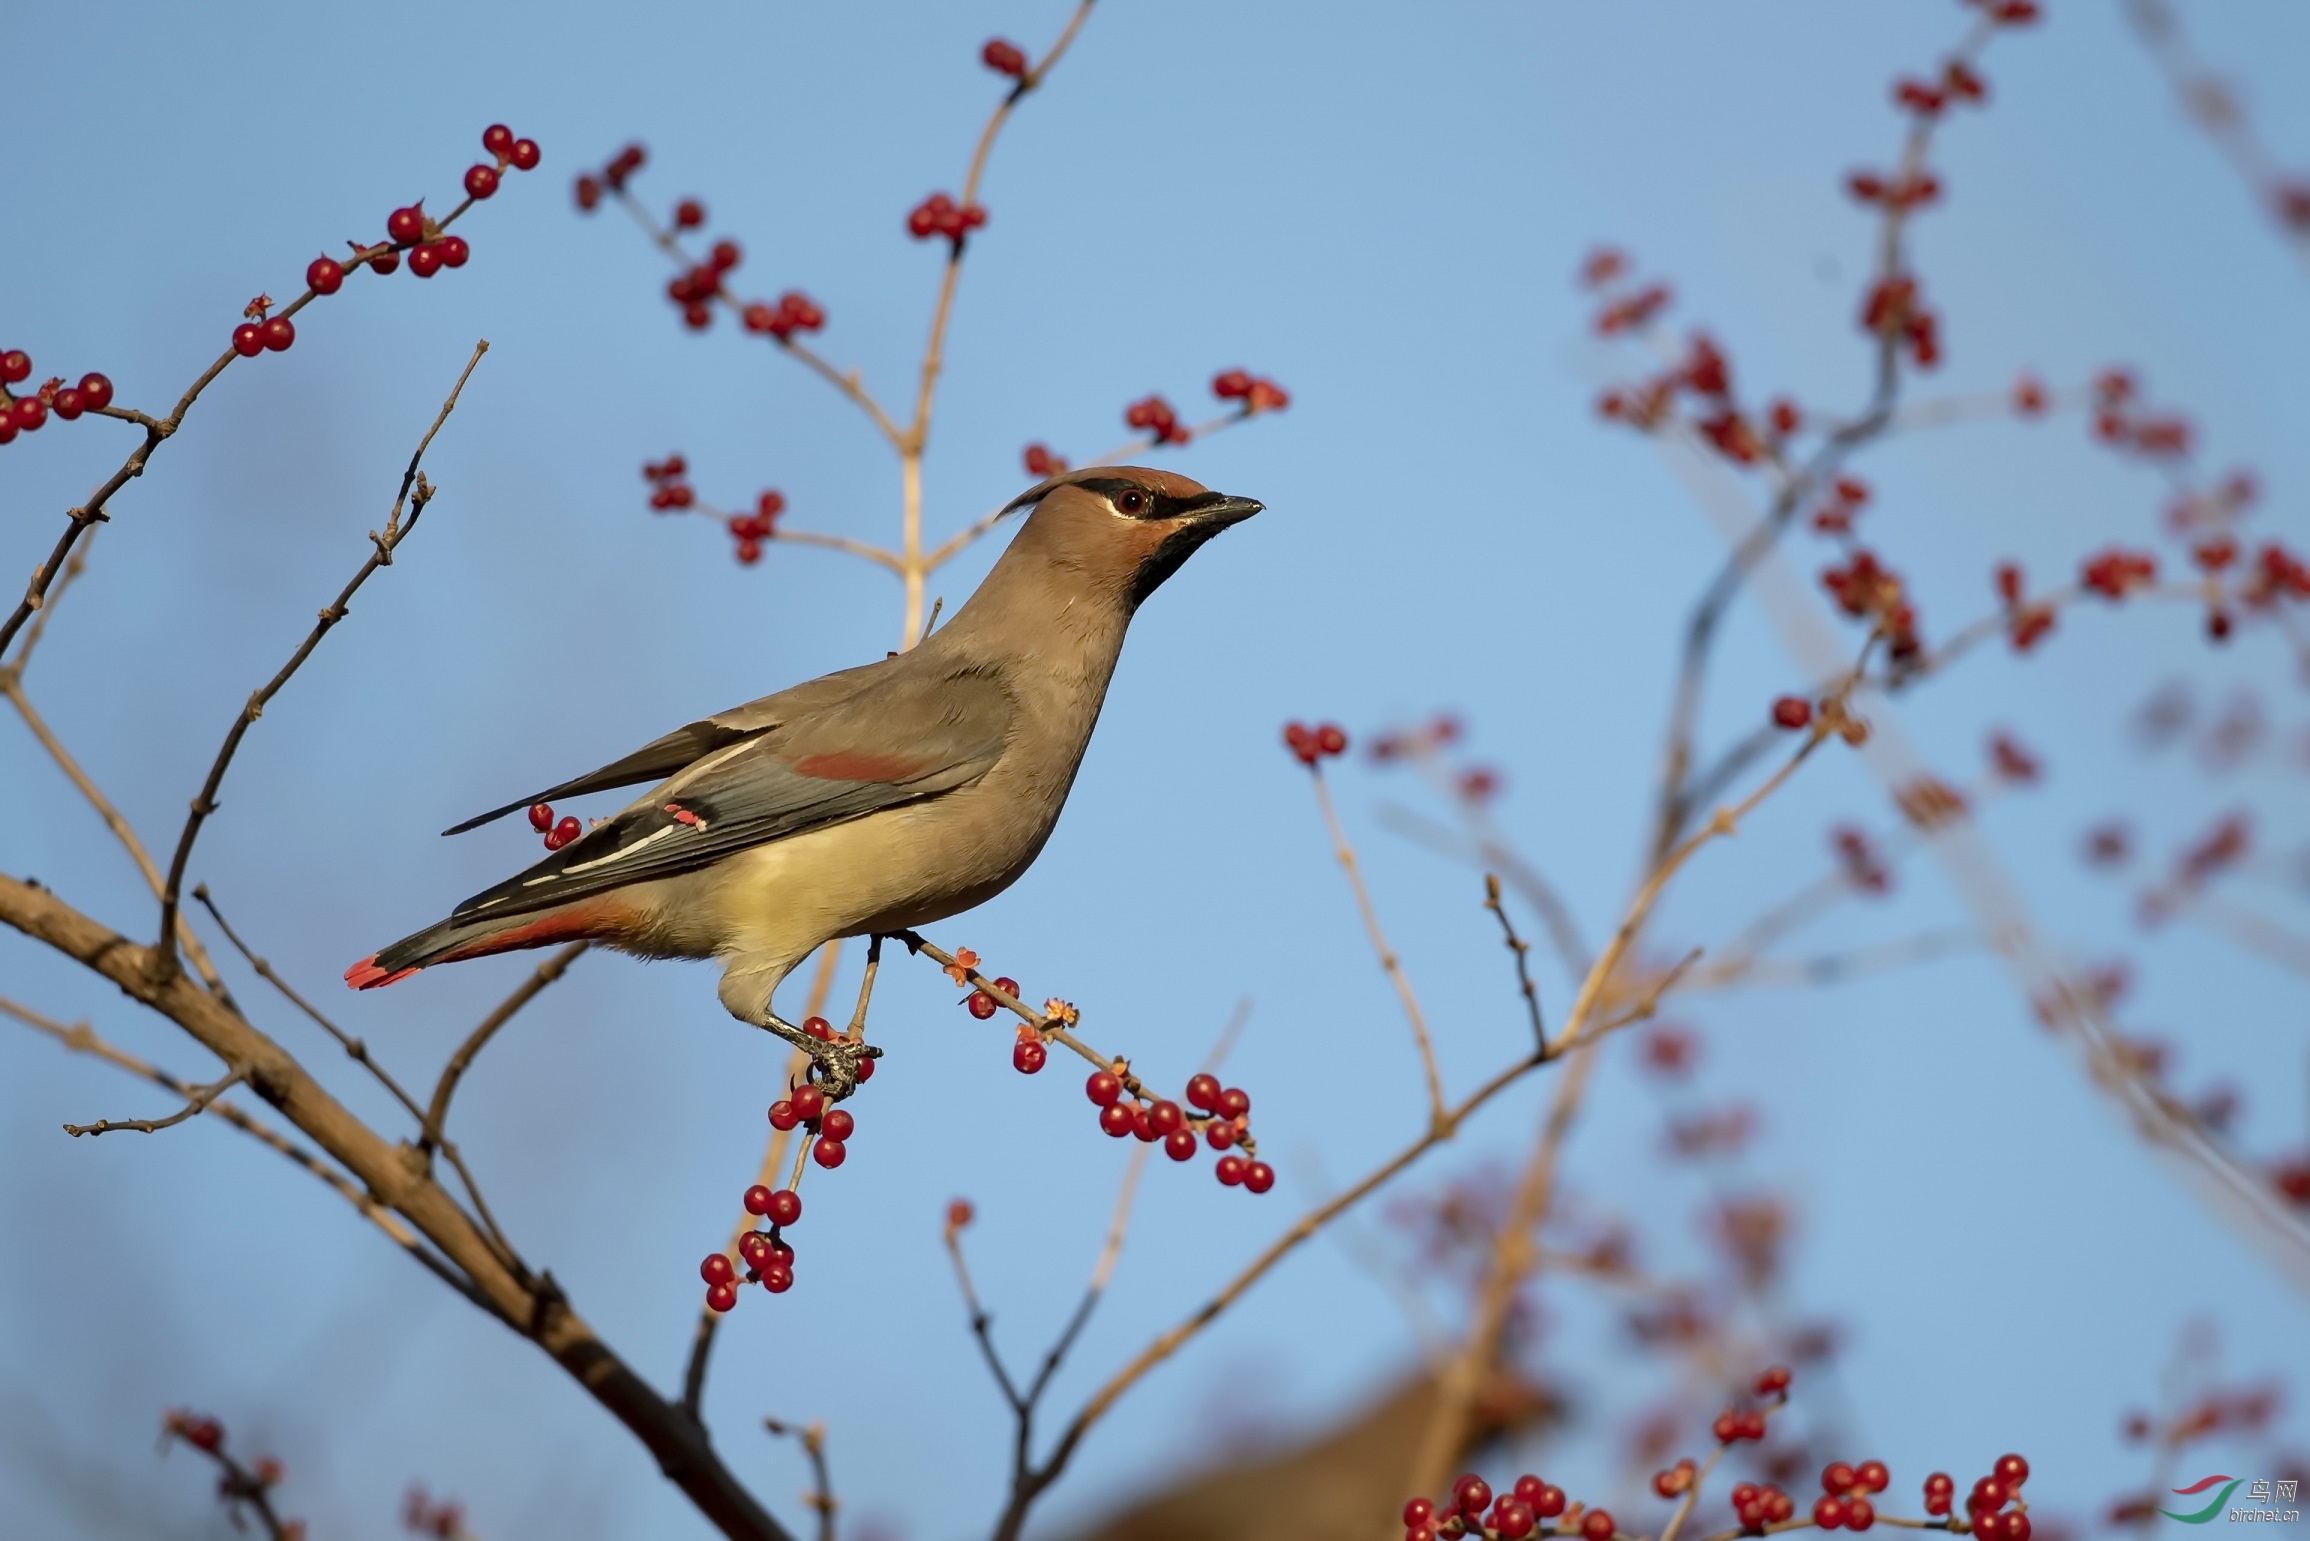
[834, 1063]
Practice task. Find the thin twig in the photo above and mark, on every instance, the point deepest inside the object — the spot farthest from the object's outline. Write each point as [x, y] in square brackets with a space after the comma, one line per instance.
[198, 1102]
[529, 989]
[1519, 949]
[353, 1047]
[415, 492]
[812, 1438]
[1389, 963]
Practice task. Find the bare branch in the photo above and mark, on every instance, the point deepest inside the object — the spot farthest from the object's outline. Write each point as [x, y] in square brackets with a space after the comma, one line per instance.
[201, 1097]
[415, 493]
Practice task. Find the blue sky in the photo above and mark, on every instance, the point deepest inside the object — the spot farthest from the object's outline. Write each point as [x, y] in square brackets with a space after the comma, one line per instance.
[1382, 208]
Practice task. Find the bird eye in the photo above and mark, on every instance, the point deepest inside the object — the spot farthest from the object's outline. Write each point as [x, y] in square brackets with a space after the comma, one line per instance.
[1131, 501]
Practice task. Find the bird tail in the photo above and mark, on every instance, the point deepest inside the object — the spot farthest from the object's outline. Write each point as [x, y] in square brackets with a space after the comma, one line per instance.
[455, 940]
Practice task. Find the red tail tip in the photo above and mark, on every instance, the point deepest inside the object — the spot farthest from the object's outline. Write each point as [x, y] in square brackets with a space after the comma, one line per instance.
[366, 975]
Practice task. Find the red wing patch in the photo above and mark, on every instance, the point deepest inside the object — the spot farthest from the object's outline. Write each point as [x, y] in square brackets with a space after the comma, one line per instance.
[850, 765]
[683, 815]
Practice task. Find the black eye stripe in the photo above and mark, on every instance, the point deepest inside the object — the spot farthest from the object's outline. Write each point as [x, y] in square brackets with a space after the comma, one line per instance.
[1160, 505]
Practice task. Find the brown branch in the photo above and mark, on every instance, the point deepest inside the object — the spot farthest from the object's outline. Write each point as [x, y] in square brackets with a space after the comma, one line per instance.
[535, 1308]
[812, 1439]
[395, 532]
[1389, 963]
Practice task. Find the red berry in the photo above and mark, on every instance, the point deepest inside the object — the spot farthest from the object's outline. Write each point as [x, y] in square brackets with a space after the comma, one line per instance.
[1872, 1475]
[866, 1070]
[1140, 1128]
[324, 275]
[721, 1297]
[1551, 1502]
[829, 1153]
[406, 226]
[778, 1278]
[1829, 1512]
[716, 1269]
[1989, 1525]
[1003, 57]
[497, 139]
[1836, 1477]
[838, 1124]
[1028, 1056]
[1203, 1092]
[1164, 1117]
[819, 1028]
[1860, 1514]
[66, 403]
[1229, 1170]
[689, 214]
[566, 831]
[1115, 1119]
[1418, 1511]
[248, 342]
[1259, 1177]
[278, 333]
[589, 193]
[758, 1200]
[1009, 987]
[481, 181]
[425, 261]
[783, 1116]
[15, 366]
[1472, 1493]
[7, 427]
[2011, 1470]
[1221, 1135]
[1727, 1428]
[525, 155]
[981, 1004]
[785, 1207]
[385, 262]
[95, 392]
[1103, 1088]
[1988, 1493]
[697, 315]
[1179, 1145]
[1597, 1525]
[1774, 1381]
[2016, 1526]
[725, 256]
[754, 1247]
[1792, 712]
[1234, 1102]
[1331, 739]
[809, 1102]
[454, 251]
[1752, 1425]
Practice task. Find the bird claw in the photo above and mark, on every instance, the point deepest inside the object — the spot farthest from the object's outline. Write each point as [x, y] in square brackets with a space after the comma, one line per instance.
[833, 1063]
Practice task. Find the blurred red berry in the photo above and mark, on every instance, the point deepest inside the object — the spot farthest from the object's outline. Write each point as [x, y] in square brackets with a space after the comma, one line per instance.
[1004, 58]
[589, 193]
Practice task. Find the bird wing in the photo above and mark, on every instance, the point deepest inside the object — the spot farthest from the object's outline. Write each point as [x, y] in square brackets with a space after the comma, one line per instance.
[903, 738]
[692, 742]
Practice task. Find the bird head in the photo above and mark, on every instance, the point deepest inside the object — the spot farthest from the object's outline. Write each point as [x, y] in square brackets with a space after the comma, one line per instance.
[1123, 529]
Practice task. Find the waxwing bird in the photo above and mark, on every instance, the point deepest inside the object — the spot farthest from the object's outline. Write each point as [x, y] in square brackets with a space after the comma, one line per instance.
[873, 800]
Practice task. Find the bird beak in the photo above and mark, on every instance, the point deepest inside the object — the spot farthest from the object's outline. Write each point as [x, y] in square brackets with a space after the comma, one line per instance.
[1218, 510]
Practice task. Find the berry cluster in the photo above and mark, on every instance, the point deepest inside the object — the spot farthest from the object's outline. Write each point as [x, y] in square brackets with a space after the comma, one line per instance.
[1153, 415]
[1857, 858]
[696, 288]
[2115, 573]
[768, 1258]
[1845, 1493]
[2123, 421]
[1895, 310]
[1041, 462]
[1004, 58]
[1310, 745]
[1516, 1512]
[1912, 191]
[423, 1515]
[1622, 309]
[1868, 590]
[556, 834]
[1985, 1507]
[750, 530]
[941, 215]
[612, 176]
[669, 483]
[29, 413]
[1758, 1505]
[1847, 496]
[1221, 1116]
[1256, 392]
[794, 312]
[237, 1485]
[2025, 624]
[260, 332]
